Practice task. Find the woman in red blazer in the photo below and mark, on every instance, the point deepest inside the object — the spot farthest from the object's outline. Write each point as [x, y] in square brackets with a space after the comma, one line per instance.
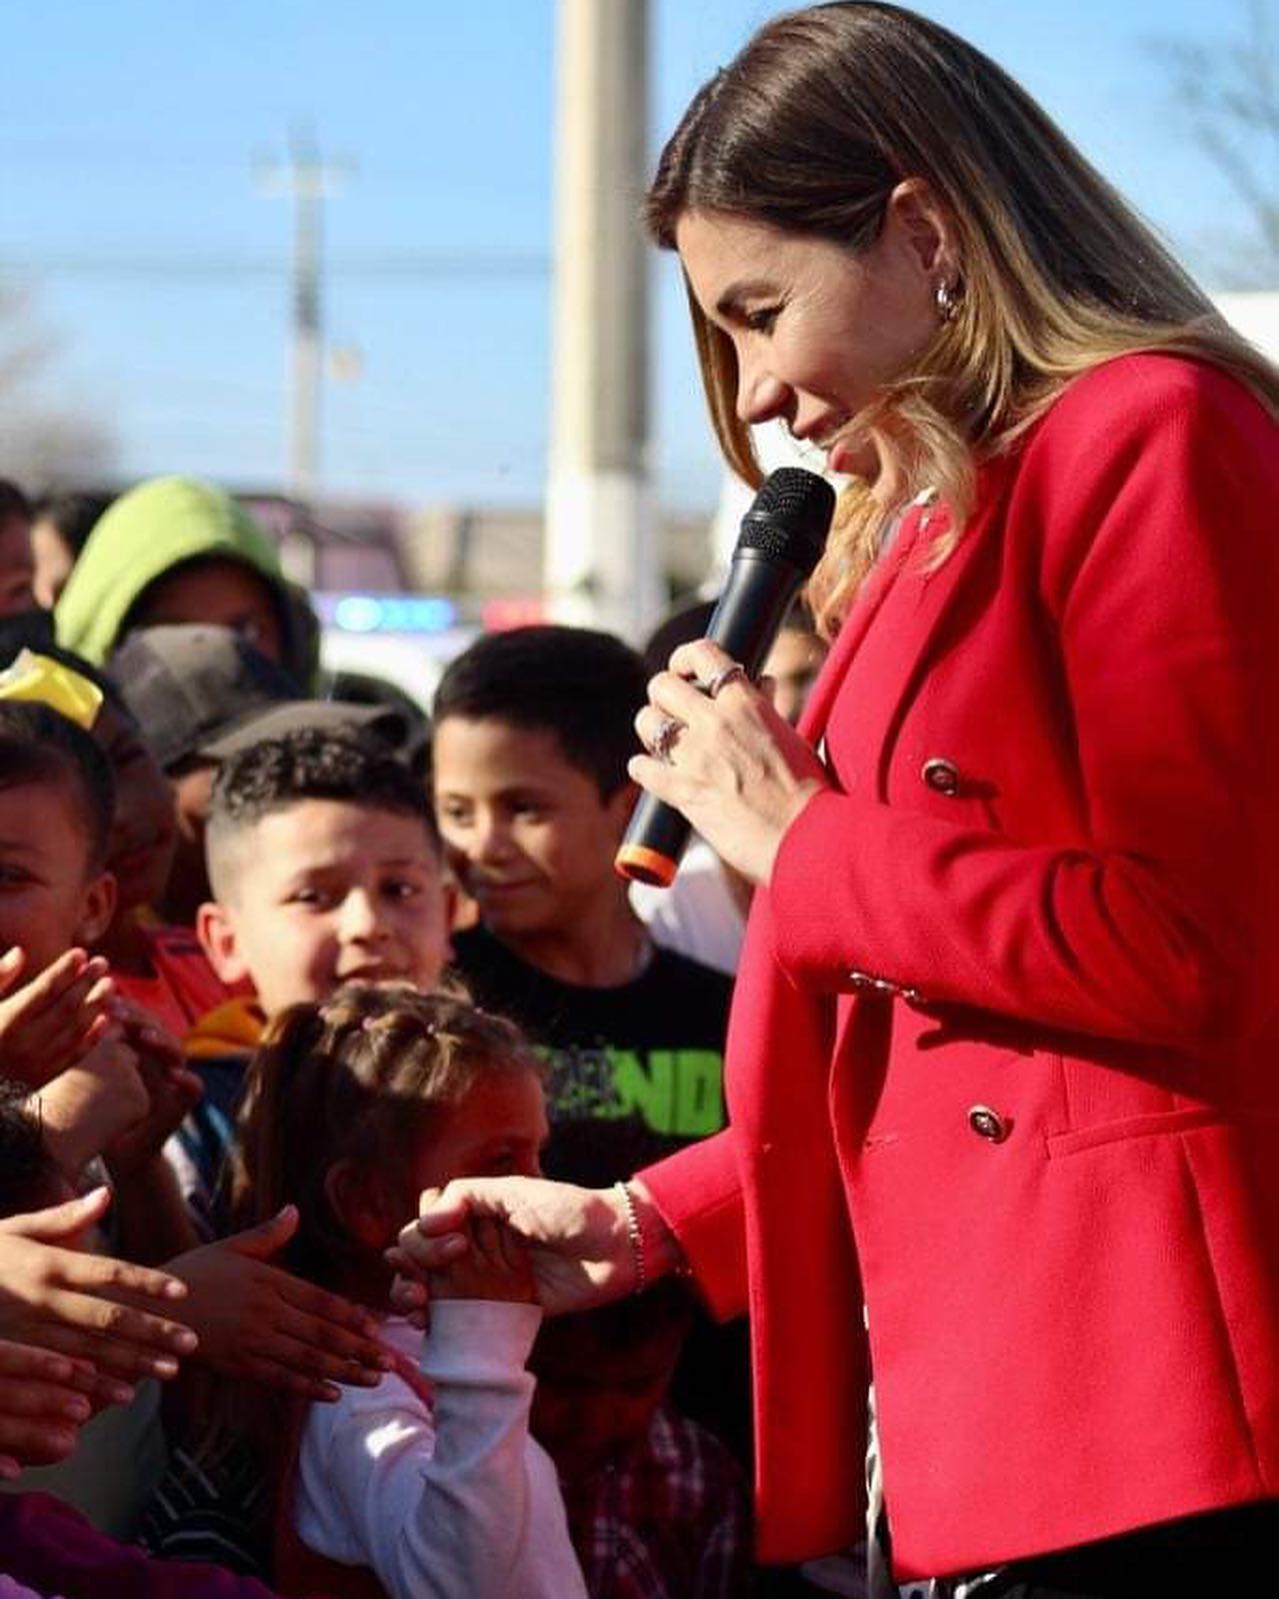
[1001, 1072]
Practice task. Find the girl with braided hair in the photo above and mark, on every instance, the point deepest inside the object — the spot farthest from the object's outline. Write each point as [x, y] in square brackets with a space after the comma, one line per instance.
[429, 1483]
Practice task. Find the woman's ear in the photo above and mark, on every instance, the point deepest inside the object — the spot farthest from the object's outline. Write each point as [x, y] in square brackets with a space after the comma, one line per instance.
[357, 1199]
[924, 227]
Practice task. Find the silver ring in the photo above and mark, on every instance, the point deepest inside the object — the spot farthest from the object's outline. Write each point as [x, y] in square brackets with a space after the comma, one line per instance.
[668, 730]
[734, 672]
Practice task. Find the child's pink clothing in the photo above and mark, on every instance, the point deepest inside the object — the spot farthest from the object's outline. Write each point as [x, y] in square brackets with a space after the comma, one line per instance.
[47, 1547]
[14, 1590]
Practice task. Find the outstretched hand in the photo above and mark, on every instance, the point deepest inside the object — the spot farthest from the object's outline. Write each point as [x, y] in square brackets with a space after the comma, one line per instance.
[57, 1297]
[258, 1321]
[44, 1401]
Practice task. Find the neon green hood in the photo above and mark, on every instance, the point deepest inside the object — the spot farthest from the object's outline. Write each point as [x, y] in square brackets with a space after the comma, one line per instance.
[146, 532]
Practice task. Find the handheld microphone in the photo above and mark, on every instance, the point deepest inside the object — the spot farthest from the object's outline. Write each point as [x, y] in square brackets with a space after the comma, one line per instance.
[781, 542]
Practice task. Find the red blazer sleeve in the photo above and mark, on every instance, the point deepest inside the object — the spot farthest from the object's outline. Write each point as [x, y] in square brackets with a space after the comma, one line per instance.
[1152, 507]
[699, 1194]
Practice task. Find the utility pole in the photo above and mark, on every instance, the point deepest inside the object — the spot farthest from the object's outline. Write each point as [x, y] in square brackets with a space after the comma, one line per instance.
[308, 182]
[600, 563]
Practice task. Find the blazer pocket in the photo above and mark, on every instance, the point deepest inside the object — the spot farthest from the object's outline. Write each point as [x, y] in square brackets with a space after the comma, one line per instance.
[1154, 1124]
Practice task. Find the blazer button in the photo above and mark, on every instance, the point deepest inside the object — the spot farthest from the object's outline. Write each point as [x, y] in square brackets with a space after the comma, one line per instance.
[988, 1124]
[941, 776]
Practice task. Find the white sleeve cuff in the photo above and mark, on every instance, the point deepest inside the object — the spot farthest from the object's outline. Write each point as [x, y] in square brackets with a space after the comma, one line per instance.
[478, 1340]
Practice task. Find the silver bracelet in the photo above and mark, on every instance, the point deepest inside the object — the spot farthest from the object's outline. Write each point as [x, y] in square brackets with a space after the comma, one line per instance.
[635, 1237]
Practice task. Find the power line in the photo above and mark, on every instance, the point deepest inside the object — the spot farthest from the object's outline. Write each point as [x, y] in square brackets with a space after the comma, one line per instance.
[191, 267]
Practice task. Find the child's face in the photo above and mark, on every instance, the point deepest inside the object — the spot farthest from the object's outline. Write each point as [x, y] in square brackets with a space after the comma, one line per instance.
[793, 664]
[16, 570]
[527, 832]
[497, 1130]
[50, 899]
[220, 593]
[144, 831]
[326, 892]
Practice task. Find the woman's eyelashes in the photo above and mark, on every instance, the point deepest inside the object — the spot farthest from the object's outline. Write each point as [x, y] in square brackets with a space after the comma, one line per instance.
[762, 320]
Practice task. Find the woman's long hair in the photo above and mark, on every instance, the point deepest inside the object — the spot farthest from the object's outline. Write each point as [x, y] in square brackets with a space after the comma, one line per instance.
[811, 128]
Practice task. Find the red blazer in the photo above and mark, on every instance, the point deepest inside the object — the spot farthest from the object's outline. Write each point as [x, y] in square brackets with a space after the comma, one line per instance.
[1011, 1003]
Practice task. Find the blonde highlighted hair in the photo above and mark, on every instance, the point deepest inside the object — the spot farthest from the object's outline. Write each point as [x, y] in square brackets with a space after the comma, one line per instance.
[811, 128]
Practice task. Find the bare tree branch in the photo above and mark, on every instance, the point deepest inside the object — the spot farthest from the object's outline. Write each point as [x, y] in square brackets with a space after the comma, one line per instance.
[43, 444]
[1228, 97]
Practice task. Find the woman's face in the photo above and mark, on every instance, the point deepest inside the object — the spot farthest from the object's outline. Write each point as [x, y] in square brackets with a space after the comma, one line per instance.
[817, 330]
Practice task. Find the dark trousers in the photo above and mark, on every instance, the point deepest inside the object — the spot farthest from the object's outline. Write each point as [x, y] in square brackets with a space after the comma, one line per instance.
[1226, 1554]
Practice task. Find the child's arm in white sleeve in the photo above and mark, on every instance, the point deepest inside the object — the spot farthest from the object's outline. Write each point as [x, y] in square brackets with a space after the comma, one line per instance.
[461, 1504]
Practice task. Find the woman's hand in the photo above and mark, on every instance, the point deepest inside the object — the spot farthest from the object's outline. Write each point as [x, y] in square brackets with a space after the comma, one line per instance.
[44, 1401]
[577, 1239]
[259, 1322]
[55, 1296]
[54, 1017]
[736, 769]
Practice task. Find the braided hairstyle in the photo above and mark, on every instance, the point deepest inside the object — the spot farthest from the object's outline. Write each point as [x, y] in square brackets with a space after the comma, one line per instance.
[362, 1077]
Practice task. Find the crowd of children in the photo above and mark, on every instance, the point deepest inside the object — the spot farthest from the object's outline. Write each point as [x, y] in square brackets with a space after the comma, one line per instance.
[264, 978]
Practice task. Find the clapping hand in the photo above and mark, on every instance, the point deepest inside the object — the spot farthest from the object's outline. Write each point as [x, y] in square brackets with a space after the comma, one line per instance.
[172, 1089]
[94, 1102]
[55, 1017]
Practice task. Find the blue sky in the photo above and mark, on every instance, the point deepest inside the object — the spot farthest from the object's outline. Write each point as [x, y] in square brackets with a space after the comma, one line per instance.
[132, 130]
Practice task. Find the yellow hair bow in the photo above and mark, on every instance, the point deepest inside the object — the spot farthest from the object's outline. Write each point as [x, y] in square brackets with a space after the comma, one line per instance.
[37, 678]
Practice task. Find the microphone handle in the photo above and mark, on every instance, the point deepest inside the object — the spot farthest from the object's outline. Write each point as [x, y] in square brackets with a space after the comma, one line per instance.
[746, 620]
[749, 613]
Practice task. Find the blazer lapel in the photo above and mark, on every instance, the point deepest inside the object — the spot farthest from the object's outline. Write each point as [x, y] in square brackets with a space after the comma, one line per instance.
[914, 602]
[871, 595]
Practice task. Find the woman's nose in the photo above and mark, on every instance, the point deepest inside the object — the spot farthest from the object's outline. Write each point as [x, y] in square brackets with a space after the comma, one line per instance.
[760, 396]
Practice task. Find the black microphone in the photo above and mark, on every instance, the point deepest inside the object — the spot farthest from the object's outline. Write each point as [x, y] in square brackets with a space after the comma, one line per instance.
[781, 541]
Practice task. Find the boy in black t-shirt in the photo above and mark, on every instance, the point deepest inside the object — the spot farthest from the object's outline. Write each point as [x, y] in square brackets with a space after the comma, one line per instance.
[533, 729]
[532, 732]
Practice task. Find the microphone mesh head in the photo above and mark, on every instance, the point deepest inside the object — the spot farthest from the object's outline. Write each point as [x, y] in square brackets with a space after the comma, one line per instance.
[790, 517]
